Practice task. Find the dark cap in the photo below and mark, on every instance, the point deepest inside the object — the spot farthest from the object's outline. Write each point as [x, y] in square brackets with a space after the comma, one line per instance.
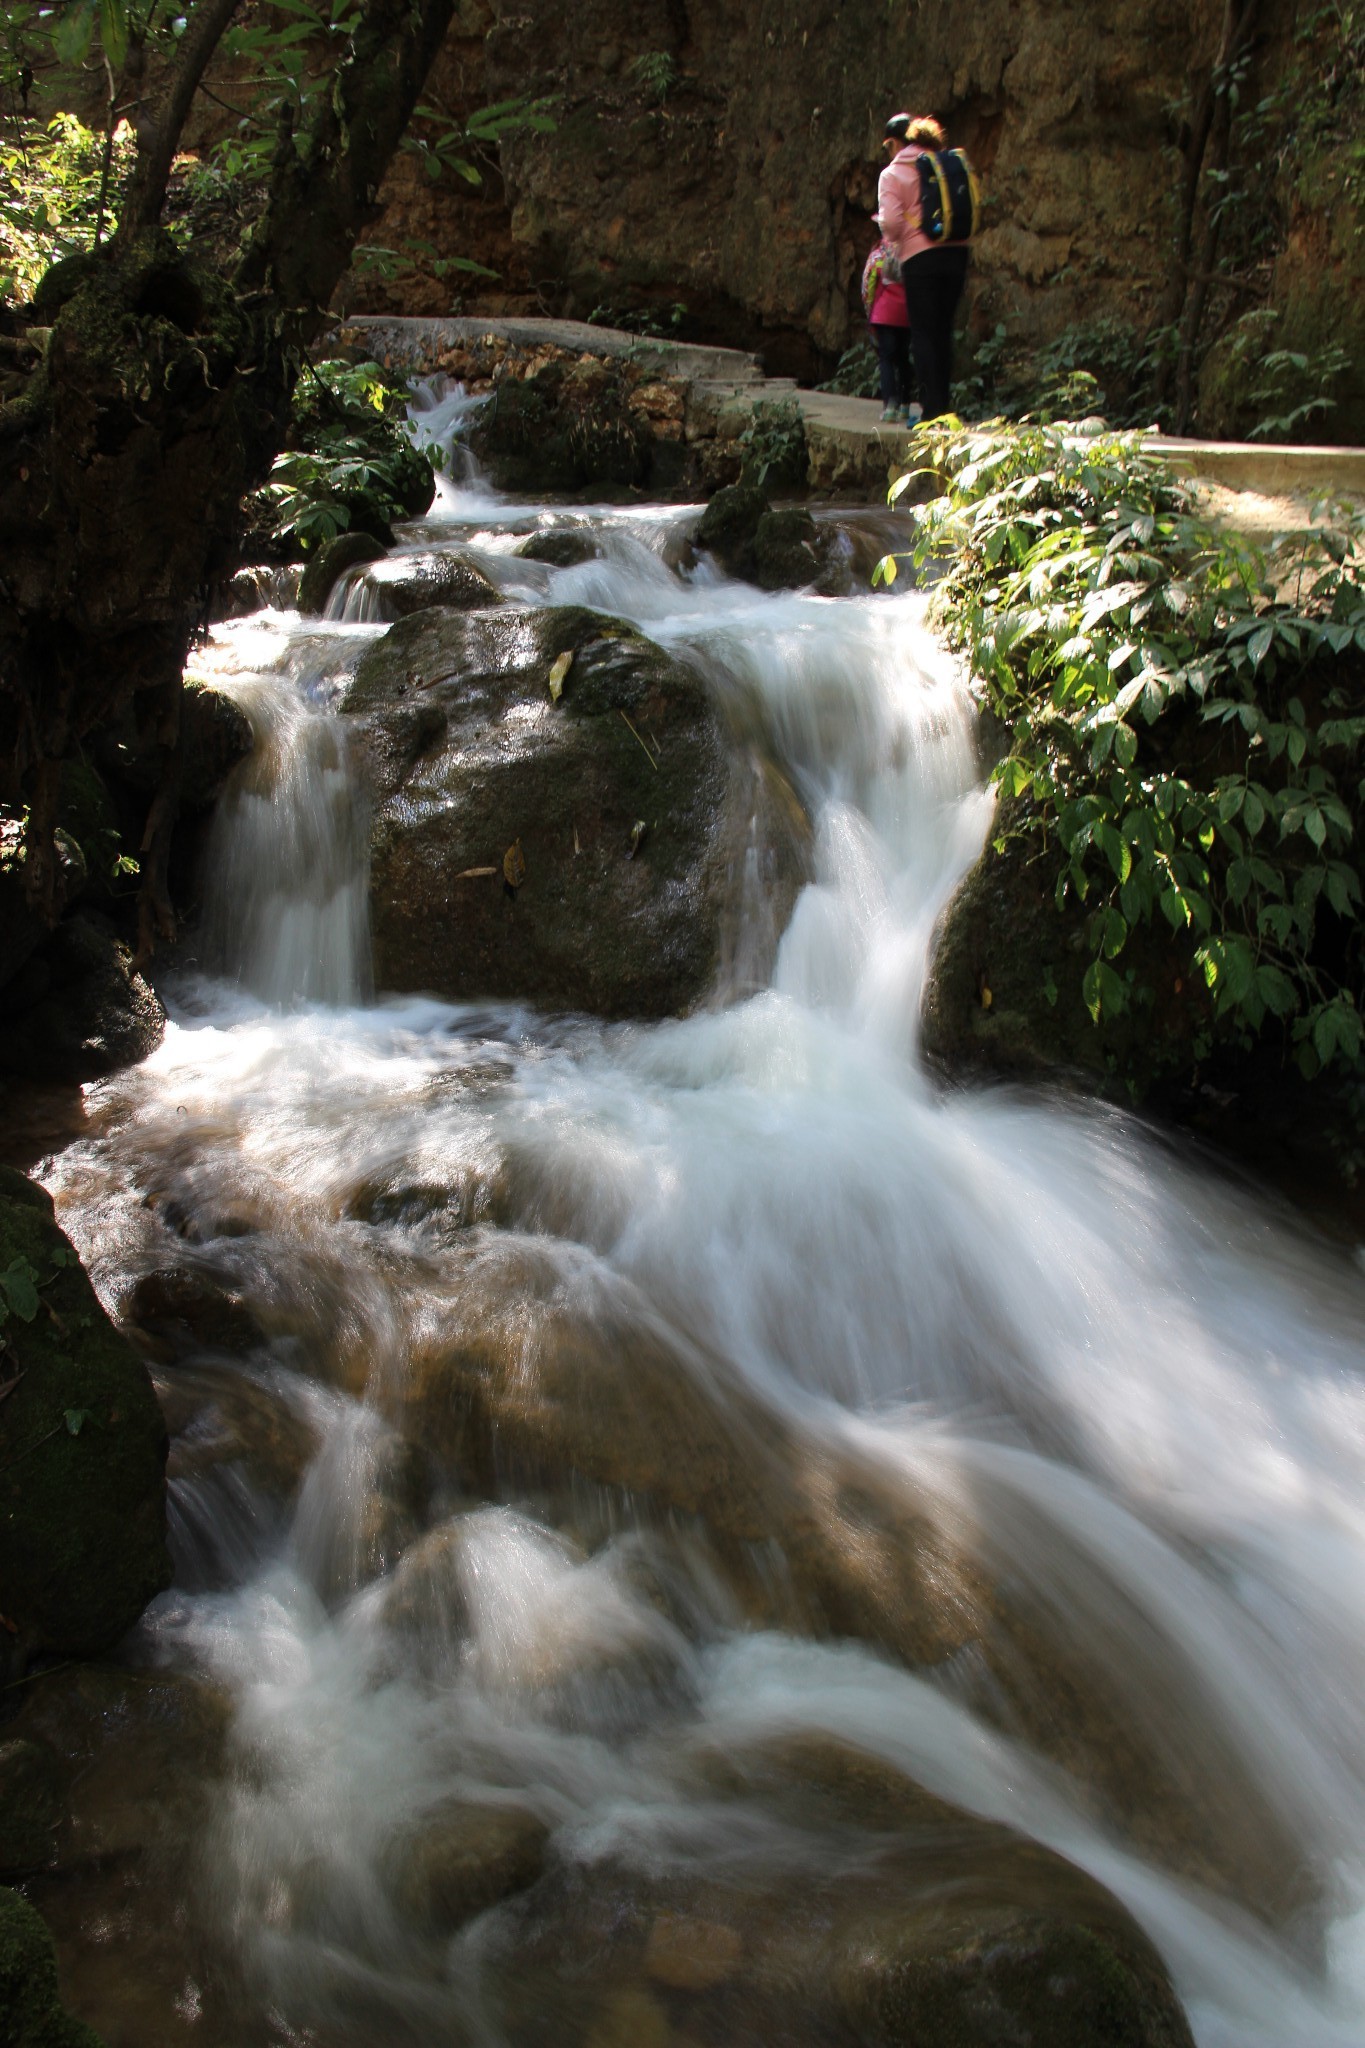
[899, 126]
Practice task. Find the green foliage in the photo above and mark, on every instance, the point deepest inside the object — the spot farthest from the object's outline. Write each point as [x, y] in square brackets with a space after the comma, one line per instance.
[1286, 390]
[19, 1291]
[655, 323]
[855, 373]
[656, 74]
[1183, 738]
[773, 446]
[282, 57]
[351, 462]
[1104, 365]
[49, 197]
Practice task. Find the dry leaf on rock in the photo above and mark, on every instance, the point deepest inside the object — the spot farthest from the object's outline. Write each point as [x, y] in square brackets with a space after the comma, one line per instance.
[514, 865]
[563, 663]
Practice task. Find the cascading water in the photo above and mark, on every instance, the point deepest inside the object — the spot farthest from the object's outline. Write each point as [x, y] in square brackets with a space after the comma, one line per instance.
[666, 1396]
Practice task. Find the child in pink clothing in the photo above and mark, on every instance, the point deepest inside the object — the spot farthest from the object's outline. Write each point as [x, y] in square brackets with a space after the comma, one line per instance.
[884, 300]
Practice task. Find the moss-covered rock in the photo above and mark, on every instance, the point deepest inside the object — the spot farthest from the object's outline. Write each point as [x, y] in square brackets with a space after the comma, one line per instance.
[82, 1453]
[585, 852]
[31, 2014]
[730, 522]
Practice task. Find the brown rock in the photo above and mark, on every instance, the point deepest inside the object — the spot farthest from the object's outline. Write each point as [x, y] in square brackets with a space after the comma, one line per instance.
[468, 755]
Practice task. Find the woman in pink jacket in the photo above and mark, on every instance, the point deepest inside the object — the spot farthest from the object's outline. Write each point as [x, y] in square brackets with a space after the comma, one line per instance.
[933, 273]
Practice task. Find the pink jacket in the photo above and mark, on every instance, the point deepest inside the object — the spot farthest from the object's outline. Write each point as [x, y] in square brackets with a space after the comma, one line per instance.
[898, 204]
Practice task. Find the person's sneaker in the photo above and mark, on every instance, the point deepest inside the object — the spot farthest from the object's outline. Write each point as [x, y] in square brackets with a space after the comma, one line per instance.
[891, 416]
[911, 413]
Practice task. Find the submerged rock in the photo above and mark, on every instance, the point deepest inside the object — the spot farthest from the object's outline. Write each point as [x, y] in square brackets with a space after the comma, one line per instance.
[462, 1857]
[82, 1452]
[31, 1807]
[584, 850]
[951, 1931]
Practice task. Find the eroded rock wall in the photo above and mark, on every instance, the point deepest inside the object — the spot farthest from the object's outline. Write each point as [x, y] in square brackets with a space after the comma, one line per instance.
[724, 160]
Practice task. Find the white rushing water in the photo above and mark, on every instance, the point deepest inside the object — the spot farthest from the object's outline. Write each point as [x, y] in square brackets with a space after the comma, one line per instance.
[1116, 1385]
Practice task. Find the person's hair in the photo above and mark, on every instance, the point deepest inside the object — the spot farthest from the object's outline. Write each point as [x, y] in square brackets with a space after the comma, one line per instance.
[897, 128]
[924, 128]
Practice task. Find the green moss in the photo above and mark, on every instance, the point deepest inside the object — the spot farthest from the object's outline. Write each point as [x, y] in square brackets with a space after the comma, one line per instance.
[31, 2015]
[82, 1453]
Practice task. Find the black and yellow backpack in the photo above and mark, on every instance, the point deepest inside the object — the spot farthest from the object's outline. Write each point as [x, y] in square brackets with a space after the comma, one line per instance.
[949, 197]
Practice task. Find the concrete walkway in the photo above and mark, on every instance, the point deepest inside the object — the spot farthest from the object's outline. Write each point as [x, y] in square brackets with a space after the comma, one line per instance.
[851, 452]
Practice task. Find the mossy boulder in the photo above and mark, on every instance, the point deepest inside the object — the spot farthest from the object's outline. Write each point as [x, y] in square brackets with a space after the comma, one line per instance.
[444, 577]
[82, 1452]
[31, 2013]
[730, 522]
[585, 852]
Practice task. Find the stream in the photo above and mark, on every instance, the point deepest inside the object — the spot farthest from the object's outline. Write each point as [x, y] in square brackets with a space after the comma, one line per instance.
[648, 1438]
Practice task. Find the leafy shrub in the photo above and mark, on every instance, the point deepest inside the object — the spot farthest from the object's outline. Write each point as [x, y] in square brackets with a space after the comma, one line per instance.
[351, 462]
[656, 74]
[50, 198]
[1182, 737]
[855, 373]
[773, 447]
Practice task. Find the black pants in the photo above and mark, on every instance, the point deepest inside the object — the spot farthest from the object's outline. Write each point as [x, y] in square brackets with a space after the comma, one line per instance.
[893, 362]
[933, 286]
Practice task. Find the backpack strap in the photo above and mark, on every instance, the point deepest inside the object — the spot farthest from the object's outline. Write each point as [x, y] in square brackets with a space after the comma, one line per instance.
[945, 197]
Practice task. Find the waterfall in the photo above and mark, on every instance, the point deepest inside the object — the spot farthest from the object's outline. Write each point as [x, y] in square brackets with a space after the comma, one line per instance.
[286, 911]
[674, 1395]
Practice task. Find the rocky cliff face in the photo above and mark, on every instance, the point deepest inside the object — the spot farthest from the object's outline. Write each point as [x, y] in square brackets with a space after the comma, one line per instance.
[725, 159]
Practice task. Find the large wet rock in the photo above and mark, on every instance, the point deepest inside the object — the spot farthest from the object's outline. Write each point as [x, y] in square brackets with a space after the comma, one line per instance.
[82, 1451]
[587, 853]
